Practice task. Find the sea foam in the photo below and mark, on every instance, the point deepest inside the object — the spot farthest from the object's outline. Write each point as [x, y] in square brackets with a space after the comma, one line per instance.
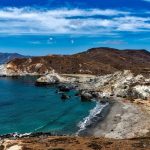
[94, 116]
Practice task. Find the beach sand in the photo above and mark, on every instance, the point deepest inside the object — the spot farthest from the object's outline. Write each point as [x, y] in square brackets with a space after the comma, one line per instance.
[124, 120]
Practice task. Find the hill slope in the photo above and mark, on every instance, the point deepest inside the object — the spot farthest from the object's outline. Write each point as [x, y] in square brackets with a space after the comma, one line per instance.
[6, 57]
[94, 61]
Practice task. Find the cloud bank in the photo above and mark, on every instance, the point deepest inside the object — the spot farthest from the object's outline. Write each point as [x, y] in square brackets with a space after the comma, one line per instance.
[70, 21]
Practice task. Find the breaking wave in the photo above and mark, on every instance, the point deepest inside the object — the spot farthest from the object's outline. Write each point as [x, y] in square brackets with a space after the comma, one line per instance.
[94, 116]
[15, 135]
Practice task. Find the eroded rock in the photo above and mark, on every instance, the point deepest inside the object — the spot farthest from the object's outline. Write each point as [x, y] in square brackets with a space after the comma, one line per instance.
[49, 79]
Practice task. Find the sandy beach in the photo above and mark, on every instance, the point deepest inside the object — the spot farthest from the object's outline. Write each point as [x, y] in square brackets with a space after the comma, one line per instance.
[125, 120]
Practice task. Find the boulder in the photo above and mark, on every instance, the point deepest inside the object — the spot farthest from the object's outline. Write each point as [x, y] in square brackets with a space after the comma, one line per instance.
[64, 88]
[77, 94]
[95, 94]
[49, 79]
[142, 91]
[86, 96]
[64, 96]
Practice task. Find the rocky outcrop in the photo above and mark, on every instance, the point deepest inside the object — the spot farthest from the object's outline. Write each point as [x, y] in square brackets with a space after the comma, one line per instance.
[86, 96]
[142, 91]
[3, 70]
[120, 84]
[49, 79]
[64, 96]
[64, 88]
[11, 69]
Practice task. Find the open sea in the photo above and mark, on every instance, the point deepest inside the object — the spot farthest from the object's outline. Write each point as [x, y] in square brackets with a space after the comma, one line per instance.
[25, 108]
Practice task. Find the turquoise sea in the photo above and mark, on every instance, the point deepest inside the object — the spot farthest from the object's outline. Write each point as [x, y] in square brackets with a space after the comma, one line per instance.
[25, 108]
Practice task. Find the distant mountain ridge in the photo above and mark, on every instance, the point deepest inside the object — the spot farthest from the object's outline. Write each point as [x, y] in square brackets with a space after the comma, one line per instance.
[99, 61]
[6, 57]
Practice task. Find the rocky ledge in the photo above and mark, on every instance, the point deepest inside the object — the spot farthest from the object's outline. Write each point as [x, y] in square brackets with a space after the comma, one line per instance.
[50, 79]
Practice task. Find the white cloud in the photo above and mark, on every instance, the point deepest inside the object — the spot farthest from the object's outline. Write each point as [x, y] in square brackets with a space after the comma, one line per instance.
[50, 38]
[72, 41]
[69, 21]
[146, 0]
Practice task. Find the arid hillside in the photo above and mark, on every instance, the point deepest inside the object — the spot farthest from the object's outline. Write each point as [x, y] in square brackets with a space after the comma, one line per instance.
[93, 61]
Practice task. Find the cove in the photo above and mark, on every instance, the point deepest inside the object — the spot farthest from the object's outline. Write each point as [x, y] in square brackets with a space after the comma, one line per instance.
[25, 108]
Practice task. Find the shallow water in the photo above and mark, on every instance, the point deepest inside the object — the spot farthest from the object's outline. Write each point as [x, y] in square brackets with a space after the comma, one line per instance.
[25, 108]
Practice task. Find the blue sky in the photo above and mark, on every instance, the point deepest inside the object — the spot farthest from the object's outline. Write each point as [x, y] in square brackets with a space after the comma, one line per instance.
[41, 27]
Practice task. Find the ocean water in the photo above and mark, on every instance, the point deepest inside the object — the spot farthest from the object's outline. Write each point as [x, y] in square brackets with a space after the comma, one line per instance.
[25, 108]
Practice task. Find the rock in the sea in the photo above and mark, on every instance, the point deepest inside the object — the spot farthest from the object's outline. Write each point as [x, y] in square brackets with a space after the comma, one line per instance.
[64, 88]
[77, 94]
[64, 96]
[86, 96]
[49, 79]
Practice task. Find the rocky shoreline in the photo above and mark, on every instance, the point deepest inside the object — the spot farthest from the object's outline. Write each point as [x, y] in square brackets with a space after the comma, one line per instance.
[122, 84]
[125, 90]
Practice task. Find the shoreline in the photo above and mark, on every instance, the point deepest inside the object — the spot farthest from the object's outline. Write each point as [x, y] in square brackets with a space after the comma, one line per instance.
[99, 118]
[123, 121]
[108, 124]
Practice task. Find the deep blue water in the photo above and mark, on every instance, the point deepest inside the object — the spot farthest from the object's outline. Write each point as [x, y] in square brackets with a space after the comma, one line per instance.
[25, 108]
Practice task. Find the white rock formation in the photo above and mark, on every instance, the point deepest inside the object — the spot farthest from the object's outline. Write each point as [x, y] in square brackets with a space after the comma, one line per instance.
[12, 70]
[51, 78]
[3, 70]
[143, 91]
[122, 84]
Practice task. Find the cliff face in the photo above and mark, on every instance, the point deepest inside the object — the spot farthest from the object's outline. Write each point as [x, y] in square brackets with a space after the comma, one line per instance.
[94, 61]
